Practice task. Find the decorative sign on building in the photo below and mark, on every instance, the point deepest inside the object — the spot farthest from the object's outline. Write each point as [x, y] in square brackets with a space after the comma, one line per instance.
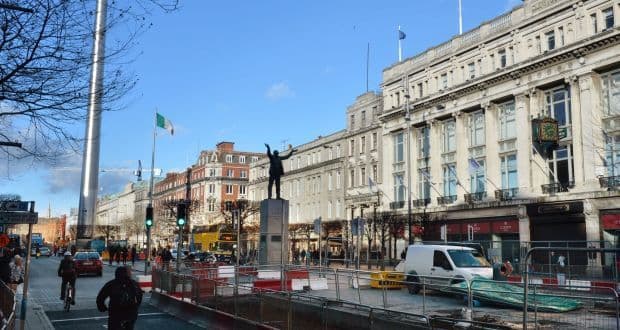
[545, 135]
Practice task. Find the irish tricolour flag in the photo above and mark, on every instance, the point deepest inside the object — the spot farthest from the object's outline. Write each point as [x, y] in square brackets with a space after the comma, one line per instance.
[164, 123]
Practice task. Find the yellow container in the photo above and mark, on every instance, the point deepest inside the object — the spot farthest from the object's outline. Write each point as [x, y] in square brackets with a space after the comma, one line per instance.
[387, 280]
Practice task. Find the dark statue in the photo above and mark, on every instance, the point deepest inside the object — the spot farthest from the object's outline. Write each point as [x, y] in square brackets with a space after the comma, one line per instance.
[276, 170]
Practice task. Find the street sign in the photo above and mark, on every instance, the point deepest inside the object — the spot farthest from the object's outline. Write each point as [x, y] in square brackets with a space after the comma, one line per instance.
[14, 206]
[4, 240]
[562, 133]
[18, 217]
[317, 225]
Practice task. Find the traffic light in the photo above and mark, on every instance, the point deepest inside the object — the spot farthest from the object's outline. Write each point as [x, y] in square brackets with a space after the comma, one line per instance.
[149, 217]
[181, 214]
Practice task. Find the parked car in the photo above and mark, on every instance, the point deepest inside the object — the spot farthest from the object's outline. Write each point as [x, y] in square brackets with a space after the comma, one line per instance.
[444, 265]
[88, 262]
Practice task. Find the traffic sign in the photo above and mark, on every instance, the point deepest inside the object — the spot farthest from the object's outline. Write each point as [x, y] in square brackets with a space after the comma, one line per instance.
[4, 240]
[14, 206]
[18, 217]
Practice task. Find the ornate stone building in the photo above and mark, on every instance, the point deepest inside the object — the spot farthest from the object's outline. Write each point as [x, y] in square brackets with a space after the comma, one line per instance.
[481, 166]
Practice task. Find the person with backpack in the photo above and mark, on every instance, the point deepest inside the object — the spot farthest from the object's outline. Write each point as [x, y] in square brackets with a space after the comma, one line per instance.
[66, 270]
[125, 296]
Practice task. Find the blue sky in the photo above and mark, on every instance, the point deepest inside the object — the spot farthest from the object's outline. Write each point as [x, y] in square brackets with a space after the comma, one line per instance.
[249, 72]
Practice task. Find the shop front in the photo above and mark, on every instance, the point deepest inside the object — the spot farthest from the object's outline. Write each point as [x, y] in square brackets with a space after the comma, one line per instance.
[610, 224]
[558, 225]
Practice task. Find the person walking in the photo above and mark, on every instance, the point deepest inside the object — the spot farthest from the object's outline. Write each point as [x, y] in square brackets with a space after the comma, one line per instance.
[124, 255]
[166, 256]
[110, 254]
[134, 255]
[125, 296]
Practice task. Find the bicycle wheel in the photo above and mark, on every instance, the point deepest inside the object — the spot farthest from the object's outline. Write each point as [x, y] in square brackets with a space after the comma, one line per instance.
[68, 298]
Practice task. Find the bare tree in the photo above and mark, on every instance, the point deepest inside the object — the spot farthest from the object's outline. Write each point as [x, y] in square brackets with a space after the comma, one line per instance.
[106, 231]
[45, 59]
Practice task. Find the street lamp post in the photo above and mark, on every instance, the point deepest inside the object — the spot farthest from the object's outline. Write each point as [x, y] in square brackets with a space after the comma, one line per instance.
[408, 123]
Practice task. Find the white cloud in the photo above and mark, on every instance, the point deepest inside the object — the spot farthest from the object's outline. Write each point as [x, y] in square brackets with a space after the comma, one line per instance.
[68, 177]
[278, 91]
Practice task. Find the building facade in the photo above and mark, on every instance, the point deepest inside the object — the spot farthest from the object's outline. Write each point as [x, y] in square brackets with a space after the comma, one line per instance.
[331, 176]
[121, 216]
[480, 104]
[218, 176]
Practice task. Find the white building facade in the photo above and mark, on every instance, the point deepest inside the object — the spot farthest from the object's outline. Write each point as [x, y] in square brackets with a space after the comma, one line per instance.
[477, 170]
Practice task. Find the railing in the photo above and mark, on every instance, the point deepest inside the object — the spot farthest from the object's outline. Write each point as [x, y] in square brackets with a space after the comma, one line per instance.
[420, 202]
[609, 182]
[367, 294]
[557, 187]
[475, 197]
[443, 200]
[7, 307]
[397, 205]
[506, 194]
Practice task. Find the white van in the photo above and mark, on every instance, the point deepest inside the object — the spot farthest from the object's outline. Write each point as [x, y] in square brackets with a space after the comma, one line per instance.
[446, 262]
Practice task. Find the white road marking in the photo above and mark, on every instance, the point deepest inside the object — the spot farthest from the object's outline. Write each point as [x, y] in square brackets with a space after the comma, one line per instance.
[101, 317]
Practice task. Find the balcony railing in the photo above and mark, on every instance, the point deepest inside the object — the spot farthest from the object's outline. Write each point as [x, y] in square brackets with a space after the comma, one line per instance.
[397, 205]
[506, 194]
[475, 197]
[610, 182]
[420, 202]
[557, 187]
[443, 200]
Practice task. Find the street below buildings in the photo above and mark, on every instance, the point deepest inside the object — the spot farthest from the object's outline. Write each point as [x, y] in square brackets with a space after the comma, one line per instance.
[44, 290]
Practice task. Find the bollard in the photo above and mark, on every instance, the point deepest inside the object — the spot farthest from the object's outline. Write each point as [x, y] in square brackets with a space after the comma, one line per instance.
[359, 294]
[337, 285]
[423, 295]
[384, 296]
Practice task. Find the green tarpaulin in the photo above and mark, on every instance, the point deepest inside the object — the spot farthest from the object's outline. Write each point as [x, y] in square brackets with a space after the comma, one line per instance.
[511, 295]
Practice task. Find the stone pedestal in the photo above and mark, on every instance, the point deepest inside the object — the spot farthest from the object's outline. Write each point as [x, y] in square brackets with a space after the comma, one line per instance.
[273, 232]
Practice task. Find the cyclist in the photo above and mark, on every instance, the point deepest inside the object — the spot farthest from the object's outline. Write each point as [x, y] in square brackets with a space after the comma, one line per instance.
[66, 270]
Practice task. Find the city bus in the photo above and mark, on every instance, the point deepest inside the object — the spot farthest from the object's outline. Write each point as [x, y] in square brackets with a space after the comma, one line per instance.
[219, 239]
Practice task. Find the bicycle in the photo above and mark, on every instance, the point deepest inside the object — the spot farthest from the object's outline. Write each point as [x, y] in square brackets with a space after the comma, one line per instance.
[68, 297]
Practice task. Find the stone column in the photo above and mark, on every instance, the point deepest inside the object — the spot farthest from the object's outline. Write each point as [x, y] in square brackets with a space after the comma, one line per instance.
[435, 160]
[492, 165]
[462, 154]
[524, 141]
[588, 137]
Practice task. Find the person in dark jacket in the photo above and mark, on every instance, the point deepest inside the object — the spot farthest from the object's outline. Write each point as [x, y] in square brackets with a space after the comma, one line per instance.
[66, 270]
[5, 268]
[134, 255]
[121, 313]
[124, 254]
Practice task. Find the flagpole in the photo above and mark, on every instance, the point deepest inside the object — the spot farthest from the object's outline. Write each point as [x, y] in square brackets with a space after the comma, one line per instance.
[367, 64]
[400, 48]
[460, 18]
[148, 229]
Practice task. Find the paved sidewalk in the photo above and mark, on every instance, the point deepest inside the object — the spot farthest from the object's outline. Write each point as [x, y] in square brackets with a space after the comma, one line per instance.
[36, 319]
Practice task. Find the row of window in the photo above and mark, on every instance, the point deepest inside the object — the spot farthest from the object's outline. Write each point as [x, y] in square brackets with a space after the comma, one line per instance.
[313, 157]
[363, 178]
[362, 144]
[600, 20]
[313, 210]
[228, 158]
